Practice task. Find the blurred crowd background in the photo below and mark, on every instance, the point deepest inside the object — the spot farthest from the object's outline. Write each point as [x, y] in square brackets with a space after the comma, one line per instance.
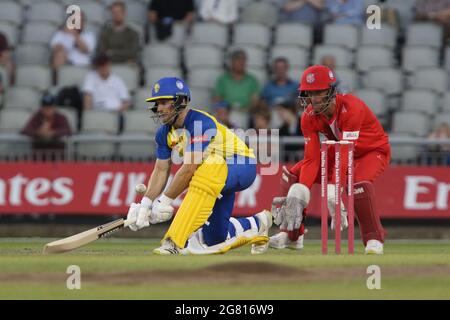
[80, 94]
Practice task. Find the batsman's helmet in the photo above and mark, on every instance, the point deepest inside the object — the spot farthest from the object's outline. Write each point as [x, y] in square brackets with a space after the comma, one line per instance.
[170, 88]
[317, 78]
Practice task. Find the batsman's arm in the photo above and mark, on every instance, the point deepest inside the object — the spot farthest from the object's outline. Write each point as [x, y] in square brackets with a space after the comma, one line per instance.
[158, 178]
[184, 175]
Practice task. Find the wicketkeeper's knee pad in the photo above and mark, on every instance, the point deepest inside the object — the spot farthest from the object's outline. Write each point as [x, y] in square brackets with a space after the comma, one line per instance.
[203, 191]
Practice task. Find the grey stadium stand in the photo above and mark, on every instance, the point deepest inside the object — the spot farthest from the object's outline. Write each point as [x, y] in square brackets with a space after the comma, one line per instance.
[415, 57]
[38, 32]
[203, 56]
[11, 11]
[424, 34]
[435, 79]
[297, 57]
[69, 75]
[260, 12]
[154, 74]
[163, 55]
[368, 57]
[204, 77]
[48, 11]
[33, 76]
[32, 54]
[344, 57]
[345, 35]
[22, 98]
[251, 34]
[209, 33]
[387, 36]
[128, 73]
[294, 34]
[409, 122]
[421, 100]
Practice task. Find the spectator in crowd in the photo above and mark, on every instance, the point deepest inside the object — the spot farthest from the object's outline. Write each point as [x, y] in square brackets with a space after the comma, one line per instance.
[2, 90]
[163, 14]
[261, 119]
[5, 59]
[441, 132]
[290, 127]
[47, 127]
[223, 110]
[346, 11]
[305, 11]
[74, 46]
[104, 90]
[118, 40]
[221, 11]
[330, 62]
[236, 86]
[437, 11]
[281, 87]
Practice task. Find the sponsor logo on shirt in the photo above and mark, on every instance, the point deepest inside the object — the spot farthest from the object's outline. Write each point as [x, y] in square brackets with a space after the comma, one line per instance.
[351, 135]
[202, 138]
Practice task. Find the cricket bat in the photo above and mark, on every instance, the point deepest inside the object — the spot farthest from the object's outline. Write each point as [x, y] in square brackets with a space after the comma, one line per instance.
[80, 239]
[83, 238]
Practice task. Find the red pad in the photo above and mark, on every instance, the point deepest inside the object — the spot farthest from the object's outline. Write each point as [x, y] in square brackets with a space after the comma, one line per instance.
[366, 212]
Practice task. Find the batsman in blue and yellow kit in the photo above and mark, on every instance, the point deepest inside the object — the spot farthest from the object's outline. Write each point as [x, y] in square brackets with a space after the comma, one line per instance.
[216, 165]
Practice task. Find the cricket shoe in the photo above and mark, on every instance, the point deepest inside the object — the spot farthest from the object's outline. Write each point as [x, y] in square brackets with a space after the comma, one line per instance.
[374, 247]
[281, 241]
[168, 247]
[261, 242]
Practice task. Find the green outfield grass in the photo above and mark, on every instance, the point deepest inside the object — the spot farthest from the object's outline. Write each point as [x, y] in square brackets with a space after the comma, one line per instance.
[126, 269]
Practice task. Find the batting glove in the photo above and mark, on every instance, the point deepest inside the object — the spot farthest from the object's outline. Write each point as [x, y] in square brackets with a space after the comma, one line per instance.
[162, 209]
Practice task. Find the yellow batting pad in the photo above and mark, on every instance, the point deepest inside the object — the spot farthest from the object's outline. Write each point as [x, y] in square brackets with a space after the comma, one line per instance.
[204, 188]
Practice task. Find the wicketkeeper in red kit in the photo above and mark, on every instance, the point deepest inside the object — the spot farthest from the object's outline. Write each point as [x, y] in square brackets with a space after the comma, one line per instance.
[337, 117]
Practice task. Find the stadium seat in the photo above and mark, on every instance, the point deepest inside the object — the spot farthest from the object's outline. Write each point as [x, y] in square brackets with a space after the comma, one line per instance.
[415, 57]
[435, 79]
[295, 73]
[94, 146]
[10, 31]
[4, 76]
[404, 9]
[139, 121]
[239, 119]
[404, 152]
[446, 102]
[409, 122]
[447, 58]
[251, 34]
[22, 98]
[136, 12]
[424, 34]
[443, 117]
[136, 146]
[209, 33]
[33, 76]
[348, 79]
[69, 75]
[140, 95]
[420, 100]
[259, 73]
[161, 55]
[343, 56]
[94, 11]
[201, 99]
[375, 99]
[11, 12]
[128, 73]
[32, 54]
[260, 12]
[297, 57]
[14, 146]
[256, 56]
[12, 121]
[368, 57]
[38, 32]
[203, 56]
[388, 80]
[99, 121]
[204, 77]
[294, 34]
[48, 11]
[153, 74]
[387, 36]
[344, 35]
[71, 115]
[177, 38]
